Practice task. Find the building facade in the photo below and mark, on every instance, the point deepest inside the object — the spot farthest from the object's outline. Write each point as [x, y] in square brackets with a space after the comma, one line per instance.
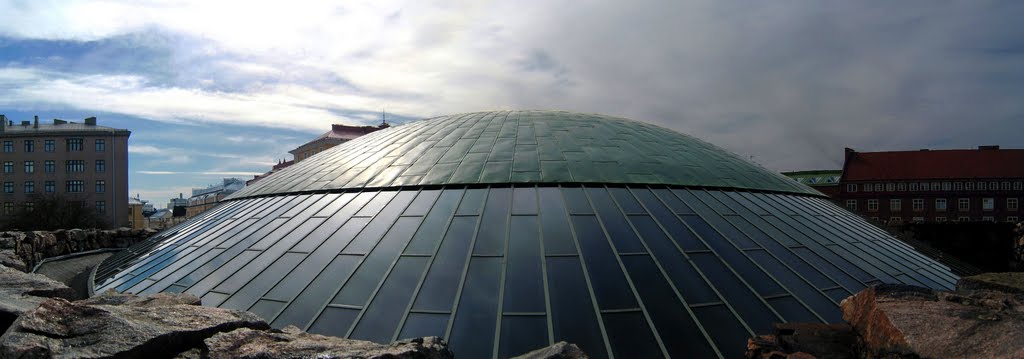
[205, 198]
[337, 135]
[986, 184]
[825, 181]
[82, 163]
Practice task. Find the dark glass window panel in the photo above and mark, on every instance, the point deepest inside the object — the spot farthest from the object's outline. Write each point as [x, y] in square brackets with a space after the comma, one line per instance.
[213, 298]
[775, 242]
[304, 201]
[737, 237]
[793, 311]
[188, 268]
[725, 330]
[435, 224]
[832, 271]
[490, 239]
[438, 291]
[680, 234]
[555, 223]
[619, 231]
[524, 200]
[266, 308]
[672, 201]
[424, 325]
[382, 223]
[666, 310]
[524, 282]
[626, 200]
[522, 334]
[215, 271]
[352, 206]
[837, 294]
[806, 292]
[317, 260]
[270, 238]
[259, 284]
[472, 202]
[309, 301]
[747, 269]
[478, 309]
[376, 204]
[572, 313]
[328, 228]
[683, 275]
[382, 317]
[423, 202]
[358, 288]
[334, 321]
[337, 201]
[630, 336]
[706, 199]
[576, 200]
[754, 312]
[609, 283]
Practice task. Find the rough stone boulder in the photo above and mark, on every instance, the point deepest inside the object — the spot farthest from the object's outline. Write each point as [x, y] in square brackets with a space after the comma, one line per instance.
[1002, 282]
[11, 260]
[119, 325]
[22, 292]
[804, 340]
[291, 342]
[899, 321]
[560, 350]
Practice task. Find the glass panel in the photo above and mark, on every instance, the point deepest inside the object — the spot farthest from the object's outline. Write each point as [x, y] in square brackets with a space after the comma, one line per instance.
[380, 224]
[490, 239]
[334, 321]
[258, 285]
[683, 275]
[626, 200]
[619, 231]
[807, 293]
[610, 285]
[376, 204]
[266, 308]
[477, 313]
[309, 301]
[750, 272]
[572, 314]
[424, 325]
[832, 271]
[438, 291]
[435, 224]
[667, 312]
[680, 234]
[524, 200]
[381, 318]
[472, 202]
[754, 312]
[521, 334]
[630, 336]
[423, 202]
[794, 312]
[524, 283]
[317, 260]
[576, 201]
[672, 201]
[554, 223]
[724, 329]
[358, 288]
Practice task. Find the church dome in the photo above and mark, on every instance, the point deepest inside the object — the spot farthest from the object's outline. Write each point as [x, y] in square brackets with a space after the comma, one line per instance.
[503, 232]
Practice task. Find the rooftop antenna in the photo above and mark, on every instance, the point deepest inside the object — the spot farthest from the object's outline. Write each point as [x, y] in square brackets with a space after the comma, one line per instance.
[383, 117]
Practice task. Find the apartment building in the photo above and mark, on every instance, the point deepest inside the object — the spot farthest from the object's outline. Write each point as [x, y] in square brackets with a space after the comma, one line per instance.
[84, 163]
[986, 184]
[205, 198]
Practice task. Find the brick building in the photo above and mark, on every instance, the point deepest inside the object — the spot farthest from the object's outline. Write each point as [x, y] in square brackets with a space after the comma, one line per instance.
[986, 184]
[79, 162]
[337, 135]
[205, 198]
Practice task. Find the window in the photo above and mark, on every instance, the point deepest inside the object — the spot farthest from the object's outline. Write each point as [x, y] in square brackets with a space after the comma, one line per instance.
[1004, 186]
[1011, 204]
[101, 145]
[872, 205]
[101, 186]
[958, 186]
[947, 186]
[8, 187]
[851, 204]
[970, 186]
[30, 146]
[101, 166]
[30, 166]
[74, 144]
[8, 208]
[895, 205]
[993, 185]
[917, 219]
[988, 219]
[30, 206]
[72, 166]
[1011, 219]
[901, 186]
[982, 187]
[988, 204]
[963, 204]
[925, 186]
[8, 166]
[918, 204]
[30, 187]
[76, 186]
[913, 186]
[8, 146]
[48, 146]
[49, 166]
[851, 188]
[1017, 186]
[867, 187]
[963, 219]
[936, 186]
[49, 186]
[890, 187]
[940, 204]
[940, 219]
[101, 206]
[896, 220]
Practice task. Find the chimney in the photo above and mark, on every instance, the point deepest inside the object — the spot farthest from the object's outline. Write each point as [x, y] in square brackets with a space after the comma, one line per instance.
[988, 147]
[181, 195]
[59, 122]
[36, 123]
[26, 123]
[3, 123]
[91, 121]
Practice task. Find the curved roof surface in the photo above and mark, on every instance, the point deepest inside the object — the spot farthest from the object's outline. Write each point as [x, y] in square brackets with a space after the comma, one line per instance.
[522, 147]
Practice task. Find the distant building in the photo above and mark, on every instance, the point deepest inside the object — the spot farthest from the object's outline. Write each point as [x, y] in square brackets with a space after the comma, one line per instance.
[82, 163]
[136, 219]
[986, 184]
[337, 135]
[205, 198]
[825, 181]
[178, 205]
[162, 219]
[279, 166]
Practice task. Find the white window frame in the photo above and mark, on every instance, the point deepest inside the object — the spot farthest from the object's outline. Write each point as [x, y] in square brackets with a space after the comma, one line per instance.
[1017, 186]
[879, 187]
[1012, 204]
[851, 187]
[1005, 186]
[940, 219]
[1012, 219]
[958, 186]
[988, 219]
[988, 204]
[914, 186]
[944, 205]
[947, 186]
[963, 204]
[851, 204]
[969, 186]
[890, 187]
[873, 205]
[867, 187]
[902, 186]
[895, 204]
[963, 219]
[917, 204]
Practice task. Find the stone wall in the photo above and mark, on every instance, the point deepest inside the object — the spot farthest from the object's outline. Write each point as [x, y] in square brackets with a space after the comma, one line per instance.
[23, 250]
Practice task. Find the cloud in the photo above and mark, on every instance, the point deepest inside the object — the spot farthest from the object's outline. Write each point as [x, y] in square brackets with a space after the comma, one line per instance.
[145, 149]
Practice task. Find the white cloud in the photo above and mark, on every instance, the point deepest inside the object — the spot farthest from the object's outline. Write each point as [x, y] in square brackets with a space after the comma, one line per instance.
[144, 150]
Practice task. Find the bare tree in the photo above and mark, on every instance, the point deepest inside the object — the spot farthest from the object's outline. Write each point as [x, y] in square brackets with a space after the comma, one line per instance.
[53, 211]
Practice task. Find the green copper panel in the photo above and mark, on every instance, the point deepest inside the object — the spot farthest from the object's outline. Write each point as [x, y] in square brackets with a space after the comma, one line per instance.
[523, 147]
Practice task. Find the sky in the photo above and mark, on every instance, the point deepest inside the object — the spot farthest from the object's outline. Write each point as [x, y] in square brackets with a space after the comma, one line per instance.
[214, 89]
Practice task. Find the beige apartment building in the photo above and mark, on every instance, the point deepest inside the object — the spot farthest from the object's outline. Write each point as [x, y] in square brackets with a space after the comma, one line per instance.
[80, 162]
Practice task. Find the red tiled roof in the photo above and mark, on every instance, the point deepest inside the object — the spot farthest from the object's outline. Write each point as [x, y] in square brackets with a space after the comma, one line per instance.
[344, 132]
[934, 164]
